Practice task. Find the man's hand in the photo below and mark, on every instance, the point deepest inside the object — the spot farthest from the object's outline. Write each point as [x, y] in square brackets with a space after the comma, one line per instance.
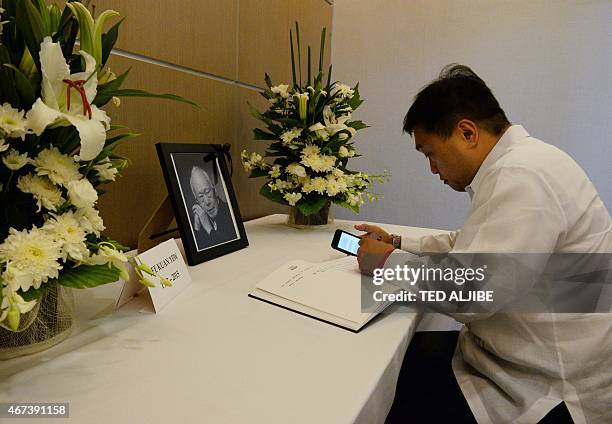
[375, 232]
[372, 254]
[201, 219]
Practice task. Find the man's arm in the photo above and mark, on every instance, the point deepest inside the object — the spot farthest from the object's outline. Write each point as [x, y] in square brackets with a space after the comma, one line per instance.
[434, 243]
[517, 213]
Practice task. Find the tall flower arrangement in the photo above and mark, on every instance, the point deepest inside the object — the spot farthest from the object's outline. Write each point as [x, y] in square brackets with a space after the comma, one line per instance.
[310, 131]
[56, 148]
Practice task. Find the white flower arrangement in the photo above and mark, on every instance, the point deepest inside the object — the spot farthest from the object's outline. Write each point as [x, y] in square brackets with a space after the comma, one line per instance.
[310, 130]
[55, 151]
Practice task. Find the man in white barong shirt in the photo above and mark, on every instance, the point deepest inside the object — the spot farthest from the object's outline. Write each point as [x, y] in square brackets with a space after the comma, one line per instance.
[526, 196]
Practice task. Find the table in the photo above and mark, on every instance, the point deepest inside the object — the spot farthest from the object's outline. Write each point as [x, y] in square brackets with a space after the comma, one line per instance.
[214, 355]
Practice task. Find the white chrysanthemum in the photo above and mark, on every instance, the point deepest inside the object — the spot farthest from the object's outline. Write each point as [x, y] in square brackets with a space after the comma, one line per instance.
[275, 172]
[3, 145]
[90, 221]
[319, 163]
[335, 186]
[337, 172]
[32, 258]
[319, 184]
[310, 150]
[14, 160]
[283, 185]
[61, 169]
[12, 122]
[66, 230]
[106, 171]
[343, 90]
[290, 135]
[44, 191]
[296, 169]
[282, 89]
[82, 194]
[343, 152]
[292, 198]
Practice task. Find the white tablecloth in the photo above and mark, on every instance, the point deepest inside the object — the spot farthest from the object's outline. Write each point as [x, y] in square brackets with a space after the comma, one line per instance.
[214, 355]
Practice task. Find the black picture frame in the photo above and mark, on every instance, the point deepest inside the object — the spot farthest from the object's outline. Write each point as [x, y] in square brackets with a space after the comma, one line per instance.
[203, 238]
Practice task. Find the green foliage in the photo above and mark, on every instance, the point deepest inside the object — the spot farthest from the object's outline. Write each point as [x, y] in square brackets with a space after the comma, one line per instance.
[88, 276]
[311, 206]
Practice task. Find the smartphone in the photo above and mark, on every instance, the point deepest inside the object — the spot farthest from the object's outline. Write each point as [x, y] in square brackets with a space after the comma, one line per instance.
[346, 242]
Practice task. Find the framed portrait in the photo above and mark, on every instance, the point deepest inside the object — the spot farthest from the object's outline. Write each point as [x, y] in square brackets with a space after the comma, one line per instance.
[203, 199]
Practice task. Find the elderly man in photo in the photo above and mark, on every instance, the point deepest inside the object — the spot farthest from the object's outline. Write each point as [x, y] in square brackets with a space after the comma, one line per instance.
[526, 197]
[211, 215]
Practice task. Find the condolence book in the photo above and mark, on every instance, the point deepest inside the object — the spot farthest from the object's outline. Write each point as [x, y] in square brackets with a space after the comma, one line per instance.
[328, 291]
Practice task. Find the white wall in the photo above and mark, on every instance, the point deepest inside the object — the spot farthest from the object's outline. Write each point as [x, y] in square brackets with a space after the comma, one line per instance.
[549, 63]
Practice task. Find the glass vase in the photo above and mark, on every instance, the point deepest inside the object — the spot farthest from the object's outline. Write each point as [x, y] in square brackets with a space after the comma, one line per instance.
[47, 324]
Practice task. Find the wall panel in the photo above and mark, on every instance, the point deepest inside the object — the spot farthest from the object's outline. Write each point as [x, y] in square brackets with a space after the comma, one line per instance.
[198, 34]
[263, 37]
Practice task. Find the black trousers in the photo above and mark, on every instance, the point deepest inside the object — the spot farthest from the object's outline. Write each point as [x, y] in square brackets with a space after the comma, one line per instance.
[427, 390]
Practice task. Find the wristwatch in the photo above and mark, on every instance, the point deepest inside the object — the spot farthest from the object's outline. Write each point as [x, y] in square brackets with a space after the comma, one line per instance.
[396, 241]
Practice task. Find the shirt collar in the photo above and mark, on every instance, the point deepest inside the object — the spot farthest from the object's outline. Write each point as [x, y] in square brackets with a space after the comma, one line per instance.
[511, 136]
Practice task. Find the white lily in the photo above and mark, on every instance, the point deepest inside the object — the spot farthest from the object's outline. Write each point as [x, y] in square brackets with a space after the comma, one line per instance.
[334, 124]
[66, 100]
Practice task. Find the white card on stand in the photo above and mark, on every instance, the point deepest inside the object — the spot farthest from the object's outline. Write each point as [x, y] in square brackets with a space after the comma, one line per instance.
[165, 260]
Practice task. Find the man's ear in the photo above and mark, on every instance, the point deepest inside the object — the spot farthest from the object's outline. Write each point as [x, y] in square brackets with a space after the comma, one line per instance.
[469, 131]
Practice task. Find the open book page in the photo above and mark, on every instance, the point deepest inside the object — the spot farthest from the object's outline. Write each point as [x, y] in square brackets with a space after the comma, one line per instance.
[333, 287]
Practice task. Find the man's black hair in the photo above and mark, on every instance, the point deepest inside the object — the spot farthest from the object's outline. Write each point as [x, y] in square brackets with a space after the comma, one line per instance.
[457, 94]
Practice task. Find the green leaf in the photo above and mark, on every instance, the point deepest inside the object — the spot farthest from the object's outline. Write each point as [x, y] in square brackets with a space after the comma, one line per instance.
[329, 74]
[309, 65]
[108, 41]
[23, 85]
[87, 276]
[321, 51]
[31, 27]
[355, 101]
[292, 58]
[358, 125]
[141, 93]
[297, 38]
[268, 81]
[119, 137]
[258, 172]
[275, 196]
[32, 293]
[8, 90]
[45, 16]
[102, 97]
[310, 207]
[259, 134]
[344, 204]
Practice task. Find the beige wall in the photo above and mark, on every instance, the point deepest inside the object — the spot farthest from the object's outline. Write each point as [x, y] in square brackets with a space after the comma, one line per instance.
[215, 53]
[548, 64]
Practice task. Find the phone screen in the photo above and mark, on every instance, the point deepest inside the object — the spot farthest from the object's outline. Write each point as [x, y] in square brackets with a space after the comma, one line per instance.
[349, 243]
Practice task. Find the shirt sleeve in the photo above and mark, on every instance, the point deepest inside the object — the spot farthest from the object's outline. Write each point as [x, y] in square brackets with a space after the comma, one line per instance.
[514, 212]
[435, 243]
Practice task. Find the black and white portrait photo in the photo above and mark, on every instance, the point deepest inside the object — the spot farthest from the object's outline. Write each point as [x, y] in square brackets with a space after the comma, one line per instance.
[203, 197]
